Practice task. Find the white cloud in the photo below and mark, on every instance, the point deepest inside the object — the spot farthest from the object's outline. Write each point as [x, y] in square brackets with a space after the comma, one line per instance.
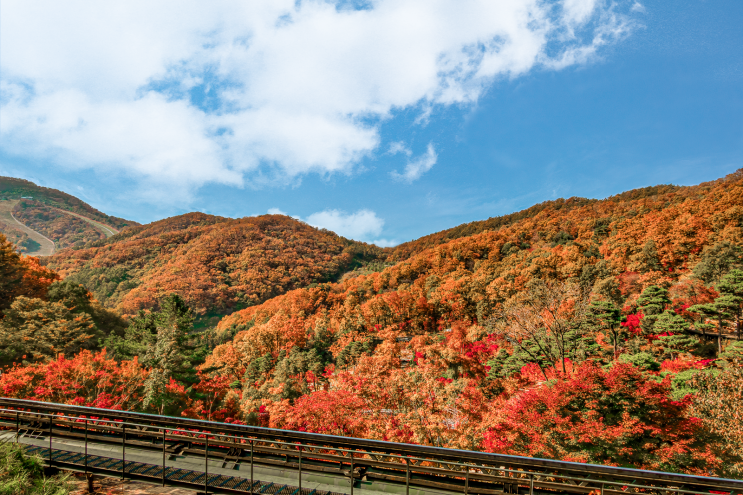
[638, 7]
[290, 87]
[362, 225]
[276, 211]
[385, 242]
[399, 147]
[419, 166]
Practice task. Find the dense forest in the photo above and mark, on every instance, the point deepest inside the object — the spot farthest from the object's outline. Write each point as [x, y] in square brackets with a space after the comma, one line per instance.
[216, 264]
[602, 331]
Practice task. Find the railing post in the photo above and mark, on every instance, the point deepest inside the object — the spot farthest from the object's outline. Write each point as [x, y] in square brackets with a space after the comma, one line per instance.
[50, 440]
[602, 489]
[17, 427]
[86, 446]
[351, 473]
[164, 457]
[206, 465]
[531, 484]
[300, 469]
[123, 450]
[467, 480]
[407, 476]
[251, 466]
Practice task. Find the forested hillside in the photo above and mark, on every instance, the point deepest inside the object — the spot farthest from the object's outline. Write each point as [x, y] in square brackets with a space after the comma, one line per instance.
[564, 206]
[459, 344]
[216, 264]
[602, 331]
[14, 189]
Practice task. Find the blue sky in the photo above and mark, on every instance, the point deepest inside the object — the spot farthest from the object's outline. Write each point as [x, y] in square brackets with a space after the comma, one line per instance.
[383, 121]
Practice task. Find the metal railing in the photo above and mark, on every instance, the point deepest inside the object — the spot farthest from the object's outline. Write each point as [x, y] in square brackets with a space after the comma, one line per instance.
[138, 446]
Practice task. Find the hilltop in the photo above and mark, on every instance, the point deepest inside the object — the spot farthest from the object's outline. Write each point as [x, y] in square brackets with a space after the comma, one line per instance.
[217, 264]
[618, 245]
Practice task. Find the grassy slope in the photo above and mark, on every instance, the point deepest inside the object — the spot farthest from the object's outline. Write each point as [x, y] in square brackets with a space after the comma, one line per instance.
[17, 231]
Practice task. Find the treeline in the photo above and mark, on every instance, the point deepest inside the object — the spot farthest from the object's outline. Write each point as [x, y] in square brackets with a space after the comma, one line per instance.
[216, 264]
[67, 231]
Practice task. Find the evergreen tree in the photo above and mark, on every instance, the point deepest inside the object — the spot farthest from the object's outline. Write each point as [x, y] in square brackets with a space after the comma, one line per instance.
[606, 315]
[652, 302]
[713, 311]
[38, 330]
[11, 274]
[733, 352]
[650, 260]
[173, 355]
[139, 337]
[675, 328]
[717, 260]
[79, 301]
[731, 288]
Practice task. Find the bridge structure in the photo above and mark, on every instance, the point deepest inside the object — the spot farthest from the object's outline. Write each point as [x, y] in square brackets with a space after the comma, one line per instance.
[227, 458]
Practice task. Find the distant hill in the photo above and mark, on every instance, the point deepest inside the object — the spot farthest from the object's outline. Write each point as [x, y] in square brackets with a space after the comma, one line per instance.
[12, 188]
[407, 249]
[613, 248]
[217, 264]
[39, 220]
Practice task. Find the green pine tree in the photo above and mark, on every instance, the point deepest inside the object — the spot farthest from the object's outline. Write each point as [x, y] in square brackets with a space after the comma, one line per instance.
[607, 316]
[731, 288]
[11, 274]
[717, 260]
[174, 354]
[716, 312]
[652, 302]
[678, 339]
[38, 330]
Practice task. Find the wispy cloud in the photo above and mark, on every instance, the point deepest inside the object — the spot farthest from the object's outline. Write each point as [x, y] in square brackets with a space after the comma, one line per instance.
[418, 166]
[399, 147]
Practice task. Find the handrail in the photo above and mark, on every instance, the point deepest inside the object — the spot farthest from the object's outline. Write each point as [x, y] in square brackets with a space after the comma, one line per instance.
[390, 448]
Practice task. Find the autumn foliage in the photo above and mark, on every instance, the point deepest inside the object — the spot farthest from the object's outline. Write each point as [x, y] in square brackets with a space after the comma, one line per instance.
[88, 379]
[216, 264]
[573, 330]
[620, 417]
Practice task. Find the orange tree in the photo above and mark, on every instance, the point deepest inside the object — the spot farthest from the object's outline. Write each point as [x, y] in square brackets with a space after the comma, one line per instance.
[616, 417]
[88, 379]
